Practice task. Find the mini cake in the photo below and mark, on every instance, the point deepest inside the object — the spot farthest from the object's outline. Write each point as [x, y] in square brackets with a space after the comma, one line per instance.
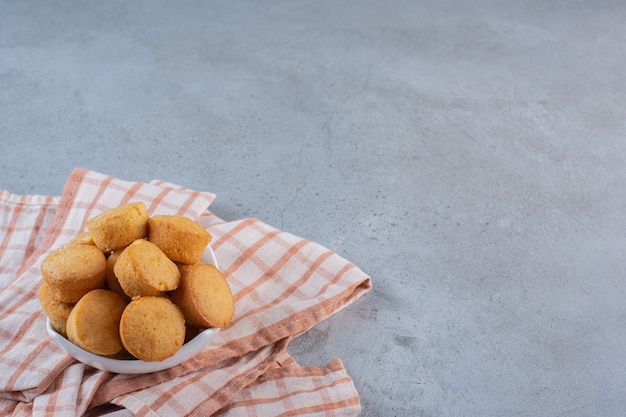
[94, 322]
[84, 238]
[180, 238]
[143, 269]
[56, 311]
[118, 227]
[204, 296]
[113, 283]
[72, 271]
[152, 328]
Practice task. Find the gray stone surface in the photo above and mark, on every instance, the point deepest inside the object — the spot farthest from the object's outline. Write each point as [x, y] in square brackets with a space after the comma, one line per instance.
[468, 155]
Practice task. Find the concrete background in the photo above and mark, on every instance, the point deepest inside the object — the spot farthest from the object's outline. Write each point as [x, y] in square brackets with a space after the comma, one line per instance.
[469, 155]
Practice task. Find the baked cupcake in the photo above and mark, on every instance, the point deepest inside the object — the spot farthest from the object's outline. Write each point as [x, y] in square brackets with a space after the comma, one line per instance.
[204, 296]
[84, 238]
[93, 323]
[72, 271]
[119, 227]
[143, 269]
[152, 328]
[113, 284]
[55, 310]
[180, 238]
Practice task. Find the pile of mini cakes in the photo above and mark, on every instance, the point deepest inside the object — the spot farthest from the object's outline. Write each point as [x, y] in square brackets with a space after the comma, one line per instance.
[134, 284]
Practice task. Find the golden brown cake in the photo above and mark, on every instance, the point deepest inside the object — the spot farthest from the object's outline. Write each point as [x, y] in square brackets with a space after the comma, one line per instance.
[180, 238]
[113, 283]
[152, 328]
[94, 322]
[118, 227]
[56, 311]
[204, 296]
[143, 269]
[84, 238]
[72, 271]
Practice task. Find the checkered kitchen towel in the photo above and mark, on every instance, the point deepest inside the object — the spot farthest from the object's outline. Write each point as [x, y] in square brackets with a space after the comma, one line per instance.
[282, 285]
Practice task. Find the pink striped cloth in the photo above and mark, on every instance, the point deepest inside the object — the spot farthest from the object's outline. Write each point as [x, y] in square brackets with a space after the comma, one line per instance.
[282, 284]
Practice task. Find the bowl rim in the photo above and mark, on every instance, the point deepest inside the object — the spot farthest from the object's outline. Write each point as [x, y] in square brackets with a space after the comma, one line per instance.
[132, 366]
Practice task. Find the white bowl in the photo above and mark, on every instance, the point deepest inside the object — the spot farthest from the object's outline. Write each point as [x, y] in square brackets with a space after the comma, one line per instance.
[136, 366]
